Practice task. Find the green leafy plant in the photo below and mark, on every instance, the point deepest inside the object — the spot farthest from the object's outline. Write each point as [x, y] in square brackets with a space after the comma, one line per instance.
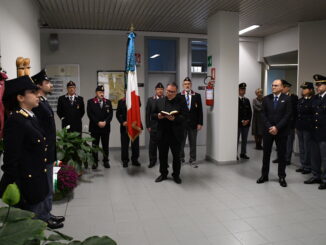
[75, 150]
[18, 227]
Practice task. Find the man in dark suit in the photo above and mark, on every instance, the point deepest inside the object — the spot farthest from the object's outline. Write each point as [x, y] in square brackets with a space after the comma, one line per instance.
[276, 113]
[318, 146]
[25, 157]
[151, 125]
[294, 101]
[45, 117]
[244, 119]
[71, 109]
[194, 120]
[121, 115]
[170, 130]
[100, 112]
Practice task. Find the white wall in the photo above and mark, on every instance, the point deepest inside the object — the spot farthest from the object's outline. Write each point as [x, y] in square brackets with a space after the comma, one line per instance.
[250, 68]
[312, 50]
[19, 34]
[104, 50]
[281, 42]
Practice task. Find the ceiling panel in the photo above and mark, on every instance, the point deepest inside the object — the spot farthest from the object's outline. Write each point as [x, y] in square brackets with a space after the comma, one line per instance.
[184, 16]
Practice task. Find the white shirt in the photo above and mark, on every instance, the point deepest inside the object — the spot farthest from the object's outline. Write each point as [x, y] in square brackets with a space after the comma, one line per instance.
[322, 95]
[30, 113]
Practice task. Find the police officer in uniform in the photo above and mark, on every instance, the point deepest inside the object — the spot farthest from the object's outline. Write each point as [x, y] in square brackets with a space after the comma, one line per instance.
[244, 119]
[100, 112]
[71, 109]
[45, 117]
[318, 147]
[151, 125]
[304, 126]
[170, 131]
[26, 157]
[121, 115]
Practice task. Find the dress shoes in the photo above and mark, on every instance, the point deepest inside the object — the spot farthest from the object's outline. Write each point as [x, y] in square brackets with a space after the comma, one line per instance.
[288, 163]
[135, 163]
[177, 180]
[52, 224]
[306, 172]
[244, 156]
[322, 186]
[262, 179]
[106, 164]
[282, 182]
[275, 161]
[299, 170]
[152, 164]
[161, 178]
[312, 180]
[58, 219]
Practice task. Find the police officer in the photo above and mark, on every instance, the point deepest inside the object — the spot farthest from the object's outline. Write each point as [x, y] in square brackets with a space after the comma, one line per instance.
[244, 119]
[71, 109]
[26, 157]
[100, 112]
[151, 125]
[121, 115]
[291, 132]
[304, 126]
[170, 130]
[194, 120]
[45, 117]
[318, 147]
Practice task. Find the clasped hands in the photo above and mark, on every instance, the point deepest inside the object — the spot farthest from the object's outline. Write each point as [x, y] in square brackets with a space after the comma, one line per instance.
[273, 130]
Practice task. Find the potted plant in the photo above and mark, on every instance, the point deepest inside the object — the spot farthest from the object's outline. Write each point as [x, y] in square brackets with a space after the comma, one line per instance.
[74, 150]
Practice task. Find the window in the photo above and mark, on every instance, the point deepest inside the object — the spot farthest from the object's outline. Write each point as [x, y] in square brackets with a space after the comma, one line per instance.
[162, 55]
[198, 56]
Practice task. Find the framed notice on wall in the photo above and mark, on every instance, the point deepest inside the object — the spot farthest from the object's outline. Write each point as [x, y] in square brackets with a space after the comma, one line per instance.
[60, 75]
[114, 85]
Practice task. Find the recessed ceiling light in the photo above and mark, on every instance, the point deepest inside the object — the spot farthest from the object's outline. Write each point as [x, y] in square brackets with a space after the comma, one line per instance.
[154, 56]
[250, 28]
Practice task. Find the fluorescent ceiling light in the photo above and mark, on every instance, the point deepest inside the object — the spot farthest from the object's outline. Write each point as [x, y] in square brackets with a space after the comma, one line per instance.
[250, 28]
[154, 56]
[277, 65]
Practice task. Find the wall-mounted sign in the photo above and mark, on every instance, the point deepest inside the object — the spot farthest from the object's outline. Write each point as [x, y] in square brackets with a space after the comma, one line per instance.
[213, 73]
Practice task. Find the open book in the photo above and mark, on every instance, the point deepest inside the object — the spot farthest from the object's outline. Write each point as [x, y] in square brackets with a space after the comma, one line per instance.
[169, 113]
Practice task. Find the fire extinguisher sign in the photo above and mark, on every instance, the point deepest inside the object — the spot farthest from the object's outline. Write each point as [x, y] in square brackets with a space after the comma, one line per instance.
[213, 73]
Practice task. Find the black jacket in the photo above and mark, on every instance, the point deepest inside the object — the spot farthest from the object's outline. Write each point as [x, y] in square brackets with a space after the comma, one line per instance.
[194, 116]
[121, 113]
[71, 114]
[25, 157]
[97, 114]
[278, 117]
[304, 114]
[150, 123]
[294, 101]
[244, 112]
[319, 118]
[45, 118]
[165, 127]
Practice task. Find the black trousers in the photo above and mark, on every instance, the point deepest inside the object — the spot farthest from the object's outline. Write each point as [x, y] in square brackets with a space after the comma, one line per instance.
[125, 147]
[104, 137]
[168, 141]
[244, 137]
[280, 141]
[153, 146]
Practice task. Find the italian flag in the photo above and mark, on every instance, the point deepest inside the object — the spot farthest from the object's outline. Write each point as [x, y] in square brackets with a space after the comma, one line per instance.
[132, 95]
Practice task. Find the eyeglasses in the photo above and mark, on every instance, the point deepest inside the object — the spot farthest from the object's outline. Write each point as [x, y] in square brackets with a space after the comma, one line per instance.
[171, 92]
[274, 85]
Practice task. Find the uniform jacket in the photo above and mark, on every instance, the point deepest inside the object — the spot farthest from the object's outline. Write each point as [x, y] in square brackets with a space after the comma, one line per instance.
[150, 123]
[304, 114]
[319, 118]
[71, 114]
[194, 116]
[25, 157]
[294, 101]
[45, 118]
[97, 114]
[278, 117]
[174, 128]
[244, 112]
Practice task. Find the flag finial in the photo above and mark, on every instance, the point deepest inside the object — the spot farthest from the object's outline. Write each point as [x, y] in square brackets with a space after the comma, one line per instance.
[132, 28]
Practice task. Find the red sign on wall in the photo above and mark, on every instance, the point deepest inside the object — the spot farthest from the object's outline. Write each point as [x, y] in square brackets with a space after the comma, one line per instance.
[213, 73]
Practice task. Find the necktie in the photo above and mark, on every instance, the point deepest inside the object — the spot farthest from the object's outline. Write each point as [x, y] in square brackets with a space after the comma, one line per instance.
[275, 102]
[188, 100]
[71, 100]
[101, 103]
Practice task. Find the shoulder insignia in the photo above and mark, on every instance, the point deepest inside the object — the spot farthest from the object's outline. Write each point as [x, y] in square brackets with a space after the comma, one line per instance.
[22, 112]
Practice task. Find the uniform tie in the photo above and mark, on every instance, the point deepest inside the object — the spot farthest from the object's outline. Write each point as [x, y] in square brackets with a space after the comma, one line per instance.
[188, 100]
[71, 100]
[101, 103]
[275, 102]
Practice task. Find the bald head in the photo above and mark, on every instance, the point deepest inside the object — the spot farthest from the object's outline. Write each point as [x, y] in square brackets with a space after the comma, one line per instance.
[277, 87]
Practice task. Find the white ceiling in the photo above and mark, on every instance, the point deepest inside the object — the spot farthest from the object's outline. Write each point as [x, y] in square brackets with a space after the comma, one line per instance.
[182, 16]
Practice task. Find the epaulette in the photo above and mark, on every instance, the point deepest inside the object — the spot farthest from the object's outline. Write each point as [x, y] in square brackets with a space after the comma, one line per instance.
[22, 112]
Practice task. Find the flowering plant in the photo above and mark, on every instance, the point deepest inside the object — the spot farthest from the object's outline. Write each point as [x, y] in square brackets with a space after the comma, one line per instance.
[67, 178]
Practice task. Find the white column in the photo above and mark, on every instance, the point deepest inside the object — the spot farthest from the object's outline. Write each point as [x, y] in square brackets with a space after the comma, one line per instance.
[222, 119]
[183, 61]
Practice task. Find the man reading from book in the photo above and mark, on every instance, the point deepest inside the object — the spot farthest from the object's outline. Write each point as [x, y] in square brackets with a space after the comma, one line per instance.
[169, 112]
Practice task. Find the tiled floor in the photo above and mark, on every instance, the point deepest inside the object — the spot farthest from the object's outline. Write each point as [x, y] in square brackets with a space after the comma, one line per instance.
[215, 205]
